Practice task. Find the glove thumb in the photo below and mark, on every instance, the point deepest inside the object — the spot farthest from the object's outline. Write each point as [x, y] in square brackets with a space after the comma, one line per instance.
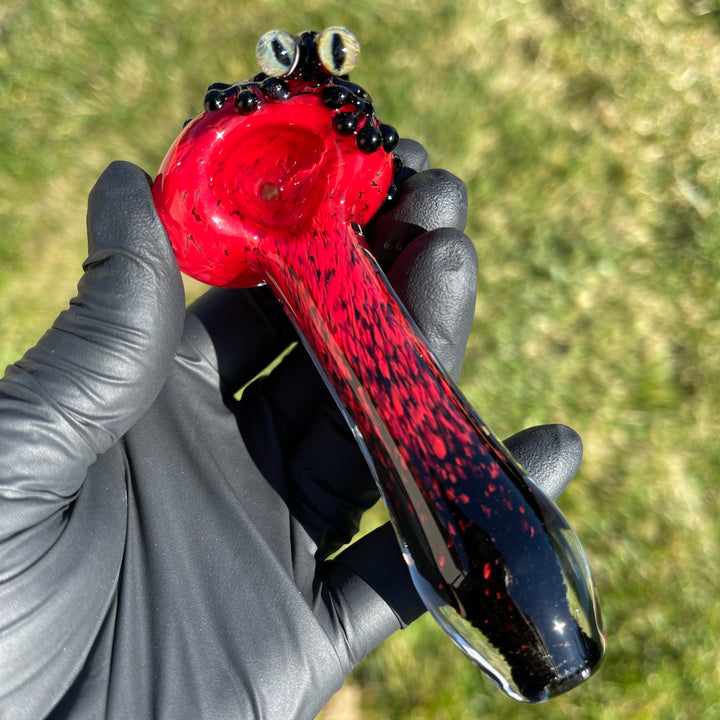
[105, 359]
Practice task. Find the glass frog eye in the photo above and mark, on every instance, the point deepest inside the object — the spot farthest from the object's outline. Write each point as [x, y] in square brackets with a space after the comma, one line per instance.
[338, 50]
[277, 53]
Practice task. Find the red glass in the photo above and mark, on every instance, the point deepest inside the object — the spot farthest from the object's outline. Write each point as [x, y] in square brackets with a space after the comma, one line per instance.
[278, 195]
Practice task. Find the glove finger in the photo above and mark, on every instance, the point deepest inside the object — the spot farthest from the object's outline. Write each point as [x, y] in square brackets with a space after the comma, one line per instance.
[413, 155]
[427, 200]
[436, 279]
[366, 595]
[549, 454]
[331, 484]
[326, 481]
[367, 589]
[106, 357]
[239, 332]
[281, 405]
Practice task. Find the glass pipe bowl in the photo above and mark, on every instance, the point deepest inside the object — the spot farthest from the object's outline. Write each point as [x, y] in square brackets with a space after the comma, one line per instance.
[235, 178]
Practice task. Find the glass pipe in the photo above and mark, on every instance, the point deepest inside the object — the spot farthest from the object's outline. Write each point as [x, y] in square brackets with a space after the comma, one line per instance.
[272, 184]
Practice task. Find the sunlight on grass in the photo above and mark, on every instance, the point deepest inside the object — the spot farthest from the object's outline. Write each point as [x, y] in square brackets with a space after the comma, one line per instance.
[588, 135]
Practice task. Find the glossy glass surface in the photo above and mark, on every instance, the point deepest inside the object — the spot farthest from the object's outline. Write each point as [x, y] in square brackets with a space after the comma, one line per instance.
[338, 50]
[277, 53]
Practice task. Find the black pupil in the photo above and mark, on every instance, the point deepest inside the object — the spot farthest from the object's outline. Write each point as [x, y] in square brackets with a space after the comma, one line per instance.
[280, 52]
[338, 51]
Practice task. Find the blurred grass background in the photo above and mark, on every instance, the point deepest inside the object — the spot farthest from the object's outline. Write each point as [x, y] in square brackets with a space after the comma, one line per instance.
[588, 134]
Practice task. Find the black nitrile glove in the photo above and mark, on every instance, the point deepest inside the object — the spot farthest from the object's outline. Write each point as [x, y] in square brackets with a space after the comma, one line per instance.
[163, 544]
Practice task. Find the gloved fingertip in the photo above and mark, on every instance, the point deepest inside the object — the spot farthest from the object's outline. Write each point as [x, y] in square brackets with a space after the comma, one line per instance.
[549, 454]
[121, 215]
[412, 154]
[116, 182]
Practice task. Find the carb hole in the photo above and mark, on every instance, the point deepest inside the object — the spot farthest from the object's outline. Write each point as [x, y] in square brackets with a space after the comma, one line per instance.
[269, 192]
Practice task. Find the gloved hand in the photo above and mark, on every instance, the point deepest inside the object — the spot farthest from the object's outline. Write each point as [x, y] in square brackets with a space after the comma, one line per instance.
[163, 539]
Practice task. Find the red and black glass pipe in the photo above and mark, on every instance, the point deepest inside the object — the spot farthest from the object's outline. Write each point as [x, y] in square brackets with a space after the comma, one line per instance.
[273, 183]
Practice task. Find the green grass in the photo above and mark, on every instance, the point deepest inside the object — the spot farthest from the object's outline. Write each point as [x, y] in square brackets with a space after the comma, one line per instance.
[588, 136]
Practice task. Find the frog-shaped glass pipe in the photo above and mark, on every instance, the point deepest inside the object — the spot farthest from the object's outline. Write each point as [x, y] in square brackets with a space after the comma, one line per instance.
[272, 183]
